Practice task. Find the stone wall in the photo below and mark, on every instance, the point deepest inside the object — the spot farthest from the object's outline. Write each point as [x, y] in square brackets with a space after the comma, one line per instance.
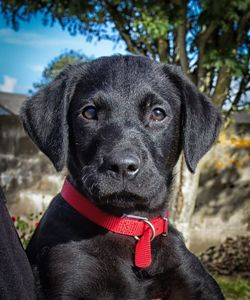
[223, 201]
[26, 175]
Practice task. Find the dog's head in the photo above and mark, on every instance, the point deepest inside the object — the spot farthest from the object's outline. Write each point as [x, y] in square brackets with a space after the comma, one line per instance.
[120, 124]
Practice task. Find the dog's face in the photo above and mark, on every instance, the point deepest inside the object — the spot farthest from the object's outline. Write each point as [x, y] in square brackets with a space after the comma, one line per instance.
[124, 129]
[121, 123]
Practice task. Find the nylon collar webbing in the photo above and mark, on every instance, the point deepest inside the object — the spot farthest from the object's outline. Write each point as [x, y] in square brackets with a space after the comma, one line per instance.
[142, 229]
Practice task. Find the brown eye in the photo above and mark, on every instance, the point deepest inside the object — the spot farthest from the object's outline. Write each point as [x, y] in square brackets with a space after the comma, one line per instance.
[90, 113]
[157, 114]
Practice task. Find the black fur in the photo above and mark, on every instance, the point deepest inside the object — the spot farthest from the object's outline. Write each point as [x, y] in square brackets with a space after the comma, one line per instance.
[123, 162]
[16, 278]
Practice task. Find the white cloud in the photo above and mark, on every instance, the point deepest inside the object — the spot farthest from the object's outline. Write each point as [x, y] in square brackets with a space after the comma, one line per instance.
[8, 85]
[63, 41]
[37, 68]
[32, 39]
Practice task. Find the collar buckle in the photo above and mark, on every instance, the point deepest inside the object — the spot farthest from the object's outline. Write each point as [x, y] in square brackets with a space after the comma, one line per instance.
[145, 220]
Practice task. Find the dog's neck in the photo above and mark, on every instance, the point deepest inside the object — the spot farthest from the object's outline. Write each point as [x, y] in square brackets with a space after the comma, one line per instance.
[134, 212]
[116, 211]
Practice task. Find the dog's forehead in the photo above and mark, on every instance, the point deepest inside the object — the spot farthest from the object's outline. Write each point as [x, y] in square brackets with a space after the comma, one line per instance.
[119, 69]
[122, 77]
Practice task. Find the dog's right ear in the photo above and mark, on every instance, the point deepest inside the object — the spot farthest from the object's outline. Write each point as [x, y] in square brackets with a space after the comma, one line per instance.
[44, 117]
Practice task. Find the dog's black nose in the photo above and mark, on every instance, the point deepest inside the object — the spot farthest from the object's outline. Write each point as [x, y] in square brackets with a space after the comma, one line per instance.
[123, 163]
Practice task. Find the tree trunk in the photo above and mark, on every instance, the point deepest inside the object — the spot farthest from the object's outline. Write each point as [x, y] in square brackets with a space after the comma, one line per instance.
[183, 200]
[222, 86]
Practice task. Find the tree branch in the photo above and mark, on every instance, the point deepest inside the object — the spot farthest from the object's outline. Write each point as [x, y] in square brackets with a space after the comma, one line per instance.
[163, 50]
[237, 98]
[242, 27]
[181, 37]
[222, 86]
[202, 41]
[120, 26]
[242, 89]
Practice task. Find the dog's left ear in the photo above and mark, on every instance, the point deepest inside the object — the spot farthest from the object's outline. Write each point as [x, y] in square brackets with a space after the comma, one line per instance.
[201, 121]
[44, 117]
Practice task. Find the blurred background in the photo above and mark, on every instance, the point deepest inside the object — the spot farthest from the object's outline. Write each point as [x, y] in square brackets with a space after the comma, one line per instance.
[209, 39]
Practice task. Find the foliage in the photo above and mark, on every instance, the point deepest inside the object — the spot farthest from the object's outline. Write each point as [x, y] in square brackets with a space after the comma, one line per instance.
[26, 226]
[209, 38]
[234, 288]
[57, 65]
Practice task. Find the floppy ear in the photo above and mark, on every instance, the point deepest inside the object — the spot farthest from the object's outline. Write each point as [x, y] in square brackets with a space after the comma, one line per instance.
[200, 119]
[44, 117]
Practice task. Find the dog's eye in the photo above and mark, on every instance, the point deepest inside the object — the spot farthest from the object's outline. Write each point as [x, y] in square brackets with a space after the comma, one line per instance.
[90, 113]
[157, 114]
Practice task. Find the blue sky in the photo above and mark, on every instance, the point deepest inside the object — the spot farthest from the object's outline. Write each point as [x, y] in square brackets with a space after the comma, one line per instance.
[25, 53]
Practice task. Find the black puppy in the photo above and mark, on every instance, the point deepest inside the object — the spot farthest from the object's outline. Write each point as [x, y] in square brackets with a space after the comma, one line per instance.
[120, 124]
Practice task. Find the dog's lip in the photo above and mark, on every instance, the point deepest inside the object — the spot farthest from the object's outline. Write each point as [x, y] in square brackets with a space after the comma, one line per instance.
[121, 196]
[123, 202]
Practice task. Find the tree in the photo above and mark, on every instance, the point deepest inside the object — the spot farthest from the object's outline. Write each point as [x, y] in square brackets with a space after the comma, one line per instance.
[57, 65]
[210, 39]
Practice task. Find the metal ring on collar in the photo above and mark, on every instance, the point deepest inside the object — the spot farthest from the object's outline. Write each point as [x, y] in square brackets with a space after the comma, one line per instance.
[151, 226]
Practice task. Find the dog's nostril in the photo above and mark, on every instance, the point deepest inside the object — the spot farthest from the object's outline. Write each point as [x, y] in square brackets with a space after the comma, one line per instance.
[114, 168]
[132, 168]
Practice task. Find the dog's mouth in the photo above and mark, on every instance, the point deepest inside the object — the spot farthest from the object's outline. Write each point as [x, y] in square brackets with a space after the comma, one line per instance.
[132, 204]
[123, 196]
[124, 199]
[124, 203]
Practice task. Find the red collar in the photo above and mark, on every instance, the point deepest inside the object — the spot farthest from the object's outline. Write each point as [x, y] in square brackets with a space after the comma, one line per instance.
[142, 229]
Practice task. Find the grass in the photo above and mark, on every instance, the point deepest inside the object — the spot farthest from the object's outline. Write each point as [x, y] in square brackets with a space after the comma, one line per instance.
[234, 288]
